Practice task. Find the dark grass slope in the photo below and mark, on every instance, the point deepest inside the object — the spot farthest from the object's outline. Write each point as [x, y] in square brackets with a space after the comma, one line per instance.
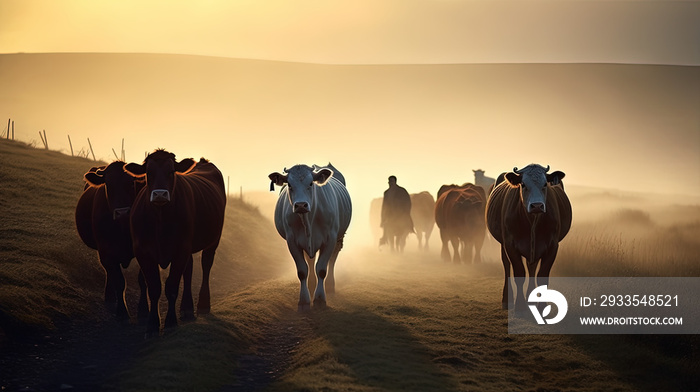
[46, 273]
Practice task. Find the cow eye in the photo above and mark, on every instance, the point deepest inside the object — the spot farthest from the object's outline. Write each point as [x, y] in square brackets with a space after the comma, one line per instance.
[311, 184]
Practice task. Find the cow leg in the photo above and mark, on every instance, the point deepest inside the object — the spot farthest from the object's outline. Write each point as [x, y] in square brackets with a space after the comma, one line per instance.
[108, 266]
[427, 240]
[419, 235]
[172, 286]
[303, 274]
[516, 262]
[546, 265]
[478, 244]
[143, 300]
[152, 276]
[204, 303]
[445, 252]
[401, 239]
[455, 245]
[187, 304]
[531, 281]
[311, 279]
[467, 251]
[325, 254]
[506, 269]
[330, 277]
[119, 286]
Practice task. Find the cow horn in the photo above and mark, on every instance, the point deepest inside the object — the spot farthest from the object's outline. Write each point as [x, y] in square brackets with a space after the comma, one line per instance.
[515, 170]
[547, 169]
[285, 170]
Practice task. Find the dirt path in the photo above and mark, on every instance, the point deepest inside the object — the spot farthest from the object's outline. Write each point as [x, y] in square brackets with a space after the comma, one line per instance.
[271, 357]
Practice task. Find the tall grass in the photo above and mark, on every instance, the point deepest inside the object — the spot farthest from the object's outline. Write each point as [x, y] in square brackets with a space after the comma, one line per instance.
[630, 243]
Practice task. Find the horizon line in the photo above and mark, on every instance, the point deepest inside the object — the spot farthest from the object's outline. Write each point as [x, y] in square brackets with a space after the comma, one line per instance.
[354, 64]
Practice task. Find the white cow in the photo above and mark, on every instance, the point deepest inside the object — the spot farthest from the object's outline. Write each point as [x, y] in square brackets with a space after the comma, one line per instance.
[312, 214]
[481, 180]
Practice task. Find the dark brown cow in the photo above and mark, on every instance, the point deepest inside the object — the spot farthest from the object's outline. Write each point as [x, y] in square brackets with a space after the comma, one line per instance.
[423, 216]
[459, 214]
[179, 212]
[528, 214]
[102, 220]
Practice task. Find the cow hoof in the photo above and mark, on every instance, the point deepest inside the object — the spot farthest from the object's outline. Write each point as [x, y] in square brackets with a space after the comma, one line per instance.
[170, 322]
[304, 307]
[188, 315]
[151, 334]
[319, 304]
[504, 305]
[122, 315]
[203, 310]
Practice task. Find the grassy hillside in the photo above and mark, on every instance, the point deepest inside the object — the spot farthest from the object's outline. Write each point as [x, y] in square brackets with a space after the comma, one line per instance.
[47, 274]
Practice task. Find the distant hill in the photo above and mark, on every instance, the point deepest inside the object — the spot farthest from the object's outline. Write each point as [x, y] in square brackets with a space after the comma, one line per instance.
[48, 275]
[253, 117]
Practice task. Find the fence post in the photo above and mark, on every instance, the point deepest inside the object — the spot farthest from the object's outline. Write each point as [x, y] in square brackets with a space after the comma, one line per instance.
[13, 129]
[93, 152]
[43, 140]
[71, 146]
[8, 128]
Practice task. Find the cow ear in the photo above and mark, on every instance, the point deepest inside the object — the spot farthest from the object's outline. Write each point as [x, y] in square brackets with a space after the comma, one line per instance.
[513, 178]
[276, 179]
[322, 176]
[184, 165]
[135, 169]
[555, 178]
[94, 179]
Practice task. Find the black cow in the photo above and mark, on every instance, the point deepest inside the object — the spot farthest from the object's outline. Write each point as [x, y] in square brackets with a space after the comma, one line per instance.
[180, 211]
[102, 220]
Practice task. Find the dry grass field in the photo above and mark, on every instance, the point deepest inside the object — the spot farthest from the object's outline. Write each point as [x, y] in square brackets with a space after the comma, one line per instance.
[397, 323]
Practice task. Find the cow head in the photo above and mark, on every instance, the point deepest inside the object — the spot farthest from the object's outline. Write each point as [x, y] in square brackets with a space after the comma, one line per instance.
[119, 187]
[300, 181]
[533, 181]
[159, 168]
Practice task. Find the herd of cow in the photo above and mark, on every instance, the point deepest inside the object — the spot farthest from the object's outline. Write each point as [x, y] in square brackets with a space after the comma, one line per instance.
[163, 211]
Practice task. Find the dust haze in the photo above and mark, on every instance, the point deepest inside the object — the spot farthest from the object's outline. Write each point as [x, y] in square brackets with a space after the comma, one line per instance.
[619, 127]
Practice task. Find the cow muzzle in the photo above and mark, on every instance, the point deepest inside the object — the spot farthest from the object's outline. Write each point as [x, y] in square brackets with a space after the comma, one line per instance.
[301, 207]
[119, 213]
[160, 196]
[536, 208]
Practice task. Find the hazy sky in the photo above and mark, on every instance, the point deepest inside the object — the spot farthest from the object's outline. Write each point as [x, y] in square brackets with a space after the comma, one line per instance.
[363, 31]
